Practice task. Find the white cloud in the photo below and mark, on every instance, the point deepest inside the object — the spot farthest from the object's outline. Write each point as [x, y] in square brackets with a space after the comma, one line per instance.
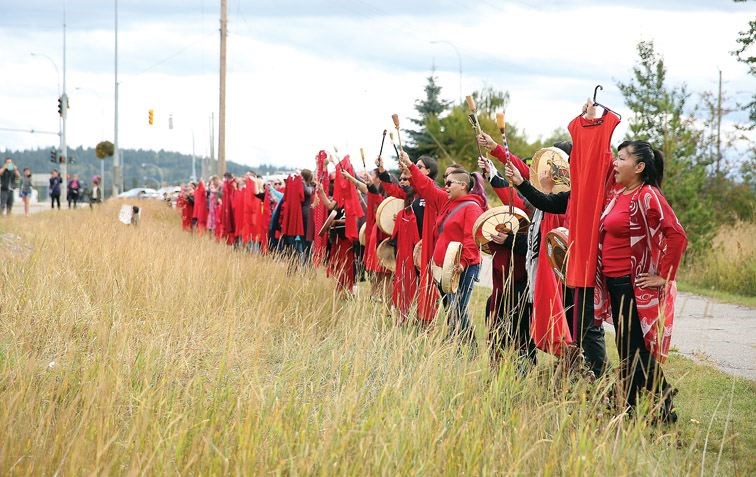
[301, 83]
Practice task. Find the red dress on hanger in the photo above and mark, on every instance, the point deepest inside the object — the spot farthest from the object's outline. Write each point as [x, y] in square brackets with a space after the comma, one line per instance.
[592, 176]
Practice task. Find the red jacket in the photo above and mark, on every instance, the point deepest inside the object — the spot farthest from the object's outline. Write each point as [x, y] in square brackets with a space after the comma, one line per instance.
[458, 227]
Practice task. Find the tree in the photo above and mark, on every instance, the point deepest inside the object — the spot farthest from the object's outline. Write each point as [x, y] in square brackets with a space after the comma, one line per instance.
[745, 40]
[430, 109]
[661, 117]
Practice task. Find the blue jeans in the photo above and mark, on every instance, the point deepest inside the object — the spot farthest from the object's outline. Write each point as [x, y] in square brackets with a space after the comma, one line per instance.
[456, 305]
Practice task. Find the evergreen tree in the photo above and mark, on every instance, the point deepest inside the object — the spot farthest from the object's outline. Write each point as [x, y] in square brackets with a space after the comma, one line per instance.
[430, 109]
[660, 117]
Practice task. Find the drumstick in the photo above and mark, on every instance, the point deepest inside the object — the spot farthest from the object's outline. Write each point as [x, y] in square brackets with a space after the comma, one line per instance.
[391, 136]
[501, 123]
[383, 139]
[362, 154]
[395, 118]
[474, 121]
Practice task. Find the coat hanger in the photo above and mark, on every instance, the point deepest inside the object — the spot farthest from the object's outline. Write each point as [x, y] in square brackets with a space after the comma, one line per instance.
[596, 103]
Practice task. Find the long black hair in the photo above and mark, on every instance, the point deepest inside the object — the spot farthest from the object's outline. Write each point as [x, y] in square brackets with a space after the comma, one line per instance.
[653, 172]
[429, 164]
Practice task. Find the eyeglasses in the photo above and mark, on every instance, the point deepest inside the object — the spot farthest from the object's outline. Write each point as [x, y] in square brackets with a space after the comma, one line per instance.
[450, 182]
[420, 165]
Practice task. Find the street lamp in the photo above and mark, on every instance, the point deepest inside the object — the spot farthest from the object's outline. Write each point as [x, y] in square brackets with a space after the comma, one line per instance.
[55, 65]
[459, 61]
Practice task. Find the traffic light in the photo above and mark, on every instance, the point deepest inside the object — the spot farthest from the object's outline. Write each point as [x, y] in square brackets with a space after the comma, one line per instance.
[151, 118]
[62, 105]
[53, 155]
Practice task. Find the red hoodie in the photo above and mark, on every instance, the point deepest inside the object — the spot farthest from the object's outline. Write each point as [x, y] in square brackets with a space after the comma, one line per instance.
[458, 226]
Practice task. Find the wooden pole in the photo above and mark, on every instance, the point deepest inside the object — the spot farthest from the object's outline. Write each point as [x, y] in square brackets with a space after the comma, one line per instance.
[222, 106]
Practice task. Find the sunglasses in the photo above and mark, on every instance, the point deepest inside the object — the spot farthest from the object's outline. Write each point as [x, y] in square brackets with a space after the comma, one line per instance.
[404, 179]
[450, 182]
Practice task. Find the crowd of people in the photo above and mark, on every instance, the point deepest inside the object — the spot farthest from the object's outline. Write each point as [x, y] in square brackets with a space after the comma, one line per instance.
[625, 244]
[11, 179]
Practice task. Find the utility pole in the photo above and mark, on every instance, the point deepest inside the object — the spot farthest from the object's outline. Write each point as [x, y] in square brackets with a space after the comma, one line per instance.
[719, 123]
[211, 163]
[64, 114]
[116, 153]
[222, 107]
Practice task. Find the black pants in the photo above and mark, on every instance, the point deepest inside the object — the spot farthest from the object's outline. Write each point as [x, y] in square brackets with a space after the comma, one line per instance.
[509, 325]
[638, 367]
[590, 337]
[54, 198]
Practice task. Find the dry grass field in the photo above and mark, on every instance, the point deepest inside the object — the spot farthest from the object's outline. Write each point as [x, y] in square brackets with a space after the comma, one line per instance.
[149, 351]
[730, 267]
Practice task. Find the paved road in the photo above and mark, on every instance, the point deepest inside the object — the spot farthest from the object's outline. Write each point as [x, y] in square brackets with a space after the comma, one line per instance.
[720, 334]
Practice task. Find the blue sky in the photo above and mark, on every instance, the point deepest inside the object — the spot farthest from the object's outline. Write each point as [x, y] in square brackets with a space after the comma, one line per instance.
[310, 75]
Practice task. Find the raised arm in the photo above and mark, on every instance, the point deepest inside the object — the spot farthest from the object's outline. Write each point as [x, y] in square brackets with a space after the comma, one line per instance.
[423, 185]
[553, 203]
[330, 204]
[361, 186]
[391, 189]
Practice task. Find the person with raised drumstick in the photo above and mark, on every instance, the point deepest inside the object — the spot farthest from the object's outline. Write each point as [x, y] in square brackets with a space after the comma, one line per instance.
[458, 210]
[508, 311]
[408, 227]
[340, 258]
[378, 275]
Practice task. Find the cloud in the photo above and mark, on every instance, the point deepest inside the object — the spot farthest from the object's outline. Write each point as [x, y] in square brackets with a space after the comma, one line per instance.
[310, 75]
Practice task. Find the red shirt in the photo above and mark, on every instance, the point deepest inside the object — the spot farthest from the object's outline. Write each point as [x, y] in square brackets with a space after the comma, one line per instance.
[592, 177]
[615, 247]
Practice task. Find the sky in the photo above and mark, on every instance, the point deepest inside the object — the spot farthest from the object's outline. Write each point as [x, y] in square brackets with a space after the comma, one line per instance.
[311, 75]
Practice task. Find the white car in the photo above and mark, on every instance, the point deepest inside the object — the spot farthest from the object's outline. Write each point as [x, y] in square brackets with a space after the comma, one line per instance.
[140, 193]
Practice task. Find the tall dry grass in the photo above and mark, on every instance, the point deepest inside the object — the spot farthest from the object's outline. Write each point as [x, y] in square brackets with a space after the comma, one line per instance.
[730, 266]
[150, 351]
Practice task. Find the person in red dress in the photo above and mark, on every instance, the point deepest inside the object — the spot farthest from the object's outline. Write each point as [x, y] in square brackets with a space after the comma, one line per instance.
[378, 275]
[407, 229]
[340, 256]
[641, 244]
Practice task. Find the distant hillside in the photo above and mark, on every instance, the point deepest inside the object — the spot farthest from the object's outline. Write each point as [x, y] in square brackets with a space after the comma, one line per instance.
[140, 167]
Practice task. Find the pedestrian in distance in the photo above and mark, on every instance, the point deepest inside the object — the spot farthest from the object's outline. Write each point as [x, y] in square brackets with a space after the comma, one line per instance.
[26, 189]
[55, 182]
[8, 175]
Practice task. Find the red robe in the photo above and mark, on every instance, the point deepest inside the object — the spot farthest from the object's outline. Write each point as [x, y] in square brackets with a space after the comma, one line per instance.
[292, 221]
[346, 197]
[240, 226]
[187, 210]
[405, 283]
[373, 235]
[427, 299]
[341, 264]
[320, 212]
[226, 211]
[200, 207]
[267, 212]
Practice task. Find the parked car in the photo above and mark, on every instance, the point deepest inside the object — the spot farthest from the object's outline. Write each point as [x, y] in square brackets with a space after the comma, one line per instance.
[140, 193]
